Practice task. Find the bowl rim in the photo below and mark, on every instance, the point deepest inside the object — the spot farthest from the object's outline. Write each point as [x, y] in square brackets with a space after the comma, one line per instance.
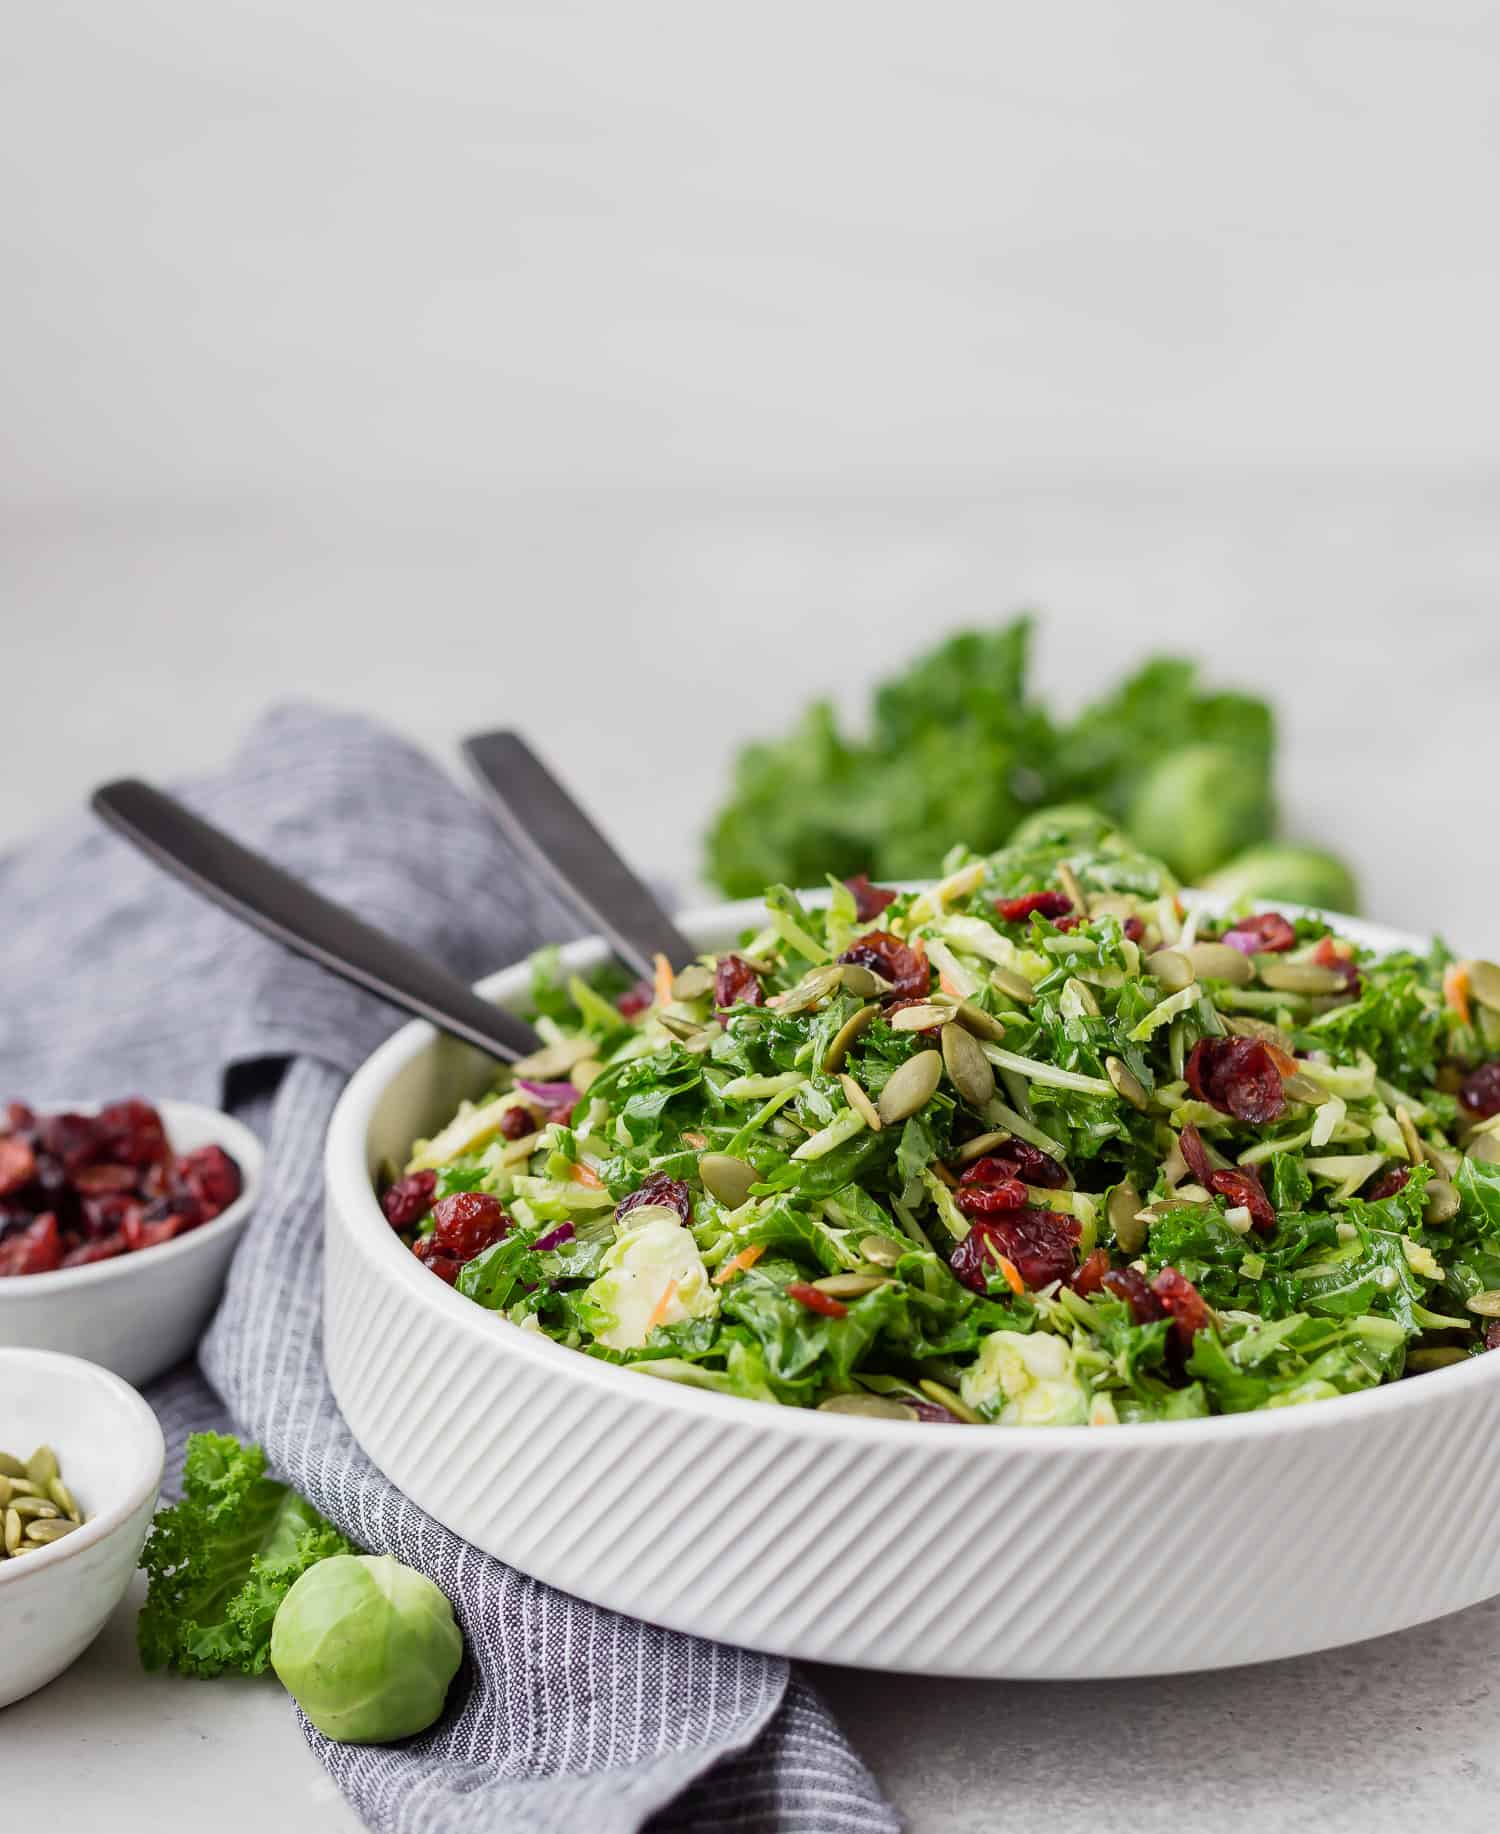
[351, 1191]
[104, 1522]
[236, 1139]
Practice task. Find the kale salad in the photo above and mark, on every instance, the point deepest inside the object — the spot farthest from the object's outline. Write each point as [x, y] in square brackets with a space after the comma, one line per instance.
[1038, 1144]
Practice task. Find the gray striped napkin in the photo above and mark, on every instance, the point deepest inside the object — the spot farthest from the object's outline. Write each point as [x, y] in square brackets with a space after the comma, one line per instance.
[113, 981]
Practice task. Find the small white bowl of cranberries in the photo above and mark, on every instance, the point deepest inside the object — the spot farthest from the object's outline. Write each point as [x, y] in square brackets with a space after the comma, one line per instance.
[117, 1224]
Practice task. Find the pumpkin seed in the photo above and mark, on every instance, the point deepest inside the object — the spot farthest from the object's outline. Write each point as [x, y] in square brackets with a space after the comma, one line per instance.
[43, 1533]
[678, 1026]
[4, 1494]
[11, 1466]
[920, 1018]
[693, 982]
[976, 1020]
[945, 1397]
[1170, 968]
[703, 1041]
[1299, 1088]
[553, 1060]
[812, 990]
[1409, 1135]
[968, 1068]
[1127, 1085]
[1298, 977]
[12, 1531]
[727, 1178]
[23, 1486]
[912, 1086]
[864, 982]
[1084, 995]
[1123, 1210]
[1013, 985]
[980, 1145]
[881, 1250]
[861, 1103]
[838, 1050]
[1485, 1147]
[1486, 1304]
[1420, 1361]
[64, 1499]
[850, 1286]
[1484, 984]
[30, 1508]
[1067, 879]
[1217, 961]
[873, 1407]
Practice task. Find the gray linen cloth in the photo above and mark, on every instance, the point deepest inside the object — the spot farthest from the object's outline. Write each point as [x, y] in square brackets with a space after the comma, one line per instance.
[115, 981]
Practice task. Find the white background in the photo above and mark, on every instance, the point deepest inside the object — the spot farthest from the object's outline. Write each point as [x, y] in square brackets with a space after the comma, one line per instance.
[632, 372]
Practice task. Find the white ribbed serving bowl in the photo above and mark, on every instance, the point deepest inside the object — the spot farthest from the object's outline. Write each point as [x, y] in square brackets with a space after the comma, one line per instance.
[1043, 1552]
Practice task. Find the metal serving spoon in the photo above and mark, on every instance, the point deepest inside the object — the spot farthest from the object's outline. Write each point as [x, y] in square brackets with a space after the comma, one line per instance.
[249, 887]
[550, 830]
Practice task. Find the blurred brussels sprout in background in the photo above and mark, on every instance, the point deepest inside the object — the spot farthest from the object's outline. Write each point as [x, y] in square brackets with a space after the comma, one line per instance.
[367, 1647]
[1298, 875]
[1200, 806]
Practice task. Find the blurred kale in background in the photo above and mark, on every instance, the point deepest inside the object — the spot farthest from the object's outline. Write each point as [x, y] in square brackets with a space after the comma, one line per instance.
[958, 752]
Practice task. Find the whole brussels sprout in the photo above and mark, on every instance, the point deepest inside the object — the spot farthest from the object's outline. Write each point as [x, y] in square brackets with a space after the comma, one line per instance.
[1299, 875]
[366, 1647]
[1199, 806]
[1061, 821]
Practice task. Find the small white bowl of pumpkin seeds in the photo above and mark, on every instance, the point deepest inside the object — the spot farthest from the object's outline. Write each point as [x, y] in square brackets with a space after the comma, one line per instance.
[81, 1459]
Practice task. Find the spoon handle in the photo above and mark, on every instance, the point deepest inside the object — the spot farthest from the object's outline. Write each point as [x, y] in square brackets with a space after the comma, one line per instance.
[550, 830]
[249, 887]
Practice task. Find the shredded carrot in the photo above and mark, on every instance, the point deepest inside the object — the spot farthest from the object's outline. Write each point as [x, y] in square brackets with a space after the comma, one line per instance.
[663, 1306]
[583, 1174]
[747, 1257]
[1008, 1269]
[1456, 990]
[663, 979]
[946, 983]
[696, 1140]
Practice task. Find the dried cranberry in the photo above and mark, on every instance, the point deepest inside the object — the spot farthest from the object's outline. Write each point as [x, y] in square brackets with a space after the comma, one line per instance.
[103, 1248]
[1267, 933]
[435, 1261]
[1070, 922]
[1018, 1159]
[1039, 1244]
[37, 1249]
[869, 900]
[17, 1164]
[1237, 1076]
[409, 1199]
[886, 955]
[1129, 1284]
[1389, 1183]
[1133, 929]
[816, 1300]
[467, 1223]
[1243, 1190]
[133, 1133]
[1492, 1335]
[107, 1213]
[1187, 1306]
[19, 1118]
[1329, 955]
[94, 1180]
[517, 1122]
[930, 1412]
[1090, 1275]
[659, 1189]
[635, 1000]
[72, 1139]
[992, 1198]
[736, 983]
[1480, 1093]
[1196, 1154]
[211, 1177]
[1045, 904]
